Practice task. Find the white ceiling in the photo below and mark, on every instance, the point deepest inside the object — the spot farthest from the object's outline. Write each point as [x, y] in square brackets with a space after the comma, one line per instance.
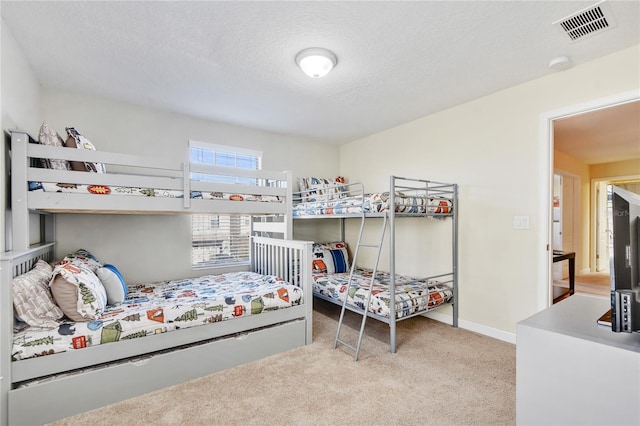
[233, 61]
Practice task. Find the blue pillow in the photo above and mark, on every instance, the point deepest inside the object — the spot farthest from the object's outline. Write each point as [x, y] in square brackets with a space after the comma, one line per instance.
[339, 260]
[113, 283]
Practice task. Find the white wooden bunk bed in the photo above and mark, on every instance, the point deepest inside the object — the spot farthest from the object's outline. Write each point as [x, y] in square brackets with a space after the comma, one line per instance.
[41, 389]
[369, 290]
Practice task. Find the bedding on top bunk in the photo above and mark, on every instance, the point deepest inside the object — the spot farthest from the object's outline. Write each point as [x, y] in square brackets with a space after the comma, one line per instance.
[331, 279]
[147, 309]
[319, 196]
[378, 202]
[146, 192]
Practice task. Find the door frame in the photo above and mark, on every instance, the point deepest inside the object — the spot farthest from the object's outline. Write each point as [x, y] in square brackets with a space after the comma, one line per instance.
[544, 298]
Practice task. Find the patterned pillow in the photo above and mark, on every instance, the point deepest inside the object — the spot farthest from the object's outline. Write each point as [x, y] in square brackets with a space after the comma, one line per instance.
[330, 258]
[321, 189]
[83, 257]
[32, 298]
[76, 140]
[50, 137]
[77, 289]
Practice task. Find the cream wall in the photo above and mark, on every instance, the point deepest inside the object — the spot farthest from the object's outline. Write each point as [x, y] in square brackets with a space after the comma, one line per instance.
[630, 168]
[20, 105]
[491, 148]
[160, 244]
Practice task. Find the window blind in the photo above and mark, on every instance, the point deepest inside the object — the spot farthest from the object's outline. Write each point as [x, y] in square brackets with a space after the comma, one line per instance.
[221, 240]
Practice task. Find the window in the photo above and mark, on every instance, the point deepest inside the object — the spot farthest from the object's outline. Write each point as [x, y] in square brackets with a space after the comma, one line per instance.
[221, 240]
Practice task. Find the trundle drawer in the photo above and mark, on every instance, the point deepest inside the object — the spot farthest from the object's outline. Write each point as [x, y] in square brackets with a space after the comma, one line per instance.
[65, 396]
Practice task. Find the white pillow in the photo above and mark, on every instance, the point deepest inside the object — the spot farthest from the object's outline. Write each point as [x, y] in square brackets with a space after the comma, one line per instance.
[113, 283]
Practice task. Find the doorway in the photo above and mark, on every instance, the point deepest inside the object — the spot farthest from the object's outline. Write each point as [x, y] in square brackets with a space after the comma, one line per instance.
[545, 293]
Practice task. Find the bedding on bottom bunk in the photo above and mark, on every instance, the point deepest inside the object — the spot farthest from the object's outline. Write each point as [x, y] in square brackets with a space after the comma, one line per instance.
[162, 307]
[412, 295]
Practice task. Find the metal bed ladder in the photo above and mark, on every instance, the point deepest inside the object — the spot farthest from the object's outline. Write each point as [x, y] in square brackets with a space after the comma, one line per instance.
[364, 311]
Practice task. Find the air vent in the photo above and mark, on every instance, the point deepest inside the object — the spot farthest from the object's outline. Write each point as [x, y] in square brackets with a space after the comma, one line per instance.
[587, 22]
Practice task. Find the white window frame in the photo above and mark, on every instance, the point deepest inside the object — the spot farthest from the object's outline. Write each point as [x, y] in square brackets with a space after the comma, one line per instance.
[205, 240]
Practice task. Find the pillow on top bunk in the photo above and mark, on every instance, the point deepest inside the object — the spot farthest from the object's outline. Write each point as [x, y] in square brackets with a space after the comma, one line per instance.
[317, 189]
[76, 140]
[32, 298]
[330, 258]
[113, 283]
[77, 289]
[48, 136]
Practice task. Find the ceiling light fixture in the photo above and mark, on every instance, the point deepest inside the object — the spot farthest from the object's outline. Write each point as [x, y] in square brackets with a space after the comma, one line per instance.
[316, 62]
[560, 63]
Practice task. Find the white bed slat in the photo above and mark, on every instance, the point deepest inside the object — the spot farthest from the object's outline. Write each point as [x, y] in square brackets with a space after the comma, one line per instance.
[109, 179]
[138, 161]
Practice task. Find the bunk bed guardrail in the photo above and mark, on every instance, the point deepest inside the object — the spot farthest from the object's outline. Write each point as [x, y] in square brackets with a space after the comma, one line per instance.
[187, 185]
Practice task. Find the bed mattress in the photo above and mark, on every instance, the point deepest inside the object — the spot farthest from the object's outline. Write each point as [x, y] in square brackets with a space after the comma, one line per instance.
[104, 190]
[162, 307]
[412, 295]
[378, 202]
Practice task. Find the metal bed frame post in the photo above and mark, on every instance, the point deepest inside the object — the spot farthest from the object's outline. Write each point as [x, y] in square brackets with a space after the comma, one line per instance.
[392, 263]
[454, 226]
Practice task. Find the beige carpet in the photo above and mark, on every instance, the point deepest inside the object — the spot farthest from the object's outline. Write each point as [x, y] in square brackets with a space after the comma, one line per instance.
[439, 376]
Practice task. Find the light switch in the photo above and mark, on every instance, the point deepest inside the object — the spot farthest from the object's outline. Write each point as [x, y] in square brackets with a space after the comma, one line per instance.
[521, 222]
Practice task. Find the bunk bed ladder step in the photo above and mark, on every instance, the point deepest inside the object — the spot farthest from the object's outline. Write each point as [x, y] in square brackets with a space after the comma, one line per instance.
[362, 311]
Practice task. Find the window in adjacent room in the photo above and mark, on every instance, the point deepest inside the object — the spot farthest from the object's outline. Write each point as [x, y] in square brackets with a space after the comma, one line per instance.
[221, 239]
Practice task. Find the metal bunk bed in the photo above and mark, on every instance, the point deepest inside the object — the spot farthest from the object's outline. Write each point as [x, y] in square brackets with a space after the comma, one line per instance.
[348, 201]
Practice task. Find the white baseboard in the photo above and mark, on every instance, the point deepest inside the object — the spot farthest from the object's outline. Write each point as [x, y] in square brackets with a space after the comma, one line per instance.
[475, 327]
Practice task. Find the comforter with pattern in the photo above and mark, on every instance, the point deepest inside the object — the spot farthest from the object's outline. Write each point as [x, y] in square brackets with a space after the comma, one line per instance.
[412, 296]
[163, 307]
[105, 190]
[378, 202]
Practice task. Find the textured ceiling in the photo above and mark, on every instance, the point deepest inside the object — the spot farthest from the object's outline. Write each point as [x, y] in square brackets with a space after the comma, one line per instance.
[233, 61]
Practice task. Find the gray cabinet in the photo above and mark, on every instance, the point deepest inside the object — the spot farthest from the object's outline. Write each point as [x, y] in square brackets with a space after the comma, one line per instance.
[572, 371]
